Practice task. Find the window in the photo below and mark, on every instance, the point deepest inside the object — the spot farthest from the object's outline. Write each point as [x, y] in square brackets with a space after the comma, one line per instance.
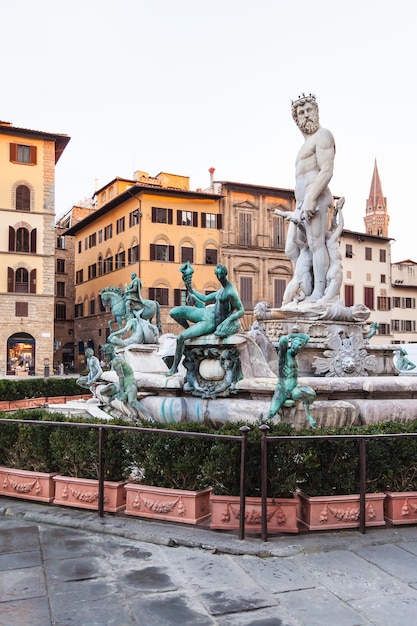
[22, 280]
[61, 311]
[369, 297]
[383, 303]
[384, 329]
[86, 243]
[408, 326]
[161, 252]
[22, 198]
[395, 325]
[349, 251]
[21, 309]
[368, 254]
[22, 240]
[108, 232]
[120, 260]
[79, 310]
[79, 277]
[246, 292]
[187, 254]
[396, 302]
[279, 287]
[120, 225]
[100, 265]
[187, 218]
[211, 220]
[133, 255]
[349, 295]
[100, 236]
[211, 256]
[278, 233]
[60, 266]
[80, 247]
[161, 216]
[108, 265]
[92, 240]
[382, 255]
[383, 278]
[20, 153]
[134, 218]
[92, 271]
[92, 306]
[60, 242]
[60, 290]
[180, 297]
[160, 294]
[245, 229]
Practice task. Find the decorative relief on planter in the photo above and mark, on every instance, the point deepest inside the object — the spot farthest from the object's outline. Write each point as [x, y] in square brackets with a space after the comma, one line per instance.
[189, 507]
[401, 507]
[334, 512]
[281, 514]
[83, 493]
[26, 484]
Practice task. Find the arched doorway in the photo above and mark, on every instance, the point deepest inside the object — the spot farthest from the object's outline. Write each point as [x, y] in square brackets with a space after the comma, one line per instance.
[20, 354]
[68, 357]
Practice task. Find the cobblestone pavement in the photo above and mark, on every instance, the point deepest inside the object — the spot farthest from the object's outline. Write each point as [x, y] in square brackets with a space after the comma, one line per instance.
[63, 566]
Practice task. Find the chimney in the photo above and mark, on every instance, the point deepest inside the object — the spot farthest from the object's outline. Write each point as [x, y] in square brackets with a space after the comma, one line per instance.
[212, 170]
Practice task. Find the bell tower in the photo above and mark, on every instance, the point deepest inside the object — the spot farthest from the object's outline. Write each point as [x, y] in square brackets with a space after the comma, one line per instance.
[376, 218]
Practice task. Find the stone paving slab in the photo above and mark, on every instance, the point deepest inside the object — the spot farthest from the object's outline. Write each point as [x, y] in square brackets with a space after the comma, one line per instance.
[317, 607]
[348, 576]
[394, 560]
[393, 610]
[33, 612]
[277, 575]
[77, 570]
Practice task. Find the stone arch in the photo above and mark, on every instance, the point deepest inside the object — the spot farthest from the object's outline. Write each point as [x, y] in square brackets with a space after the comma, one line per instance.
[27, 184]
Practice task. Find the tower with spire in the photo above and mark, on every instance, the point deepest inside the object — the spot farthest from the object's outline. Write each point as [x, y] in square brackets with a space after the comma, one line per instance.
[376, 218]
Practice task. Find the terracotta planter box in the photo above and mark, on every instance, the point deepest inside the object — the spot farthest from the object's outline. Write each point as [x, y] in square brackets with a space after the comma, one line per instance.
[281, 514]
[401, 507]
[336, 512]
[172, 505]
[37, 486]
[82, 493]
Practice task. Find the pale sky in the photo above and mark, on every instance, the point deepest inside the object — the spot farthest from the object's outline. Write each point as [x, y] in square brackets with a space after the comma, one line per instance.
[184, 85]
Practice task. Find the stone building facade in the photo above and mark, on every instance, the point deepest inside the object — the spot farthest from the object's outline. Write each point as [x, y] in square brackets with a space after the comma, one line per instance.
[27, 248]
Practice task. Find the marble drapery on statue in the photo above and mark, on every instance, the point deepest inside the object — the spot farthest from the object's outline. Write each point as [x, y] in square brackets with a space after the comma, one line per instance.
[217, 312]
[306, 246]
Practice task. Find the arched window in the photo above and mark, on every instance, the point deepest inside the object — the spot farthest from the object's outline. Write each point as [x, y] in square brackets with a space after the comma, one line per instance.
[22, 240]
[100, 265]
[22, 280]
[22, 198]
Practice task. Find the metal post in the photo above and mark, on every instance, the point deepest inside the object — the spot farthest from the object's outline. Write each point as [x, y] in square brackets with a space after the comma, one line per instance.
[244, 430]
[101, 444]
[362, 485]
[264, 428]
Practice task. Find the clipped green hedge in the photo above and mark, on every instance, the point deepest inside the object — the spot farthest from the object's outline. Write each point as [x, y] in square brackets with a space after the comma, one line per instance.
[11, 389]
[315, 467]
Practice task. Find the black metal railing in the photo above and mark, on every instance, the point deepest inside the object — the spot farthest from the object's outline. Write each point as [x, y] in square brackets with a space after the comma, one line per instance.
[362, 439]
[266, 441]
